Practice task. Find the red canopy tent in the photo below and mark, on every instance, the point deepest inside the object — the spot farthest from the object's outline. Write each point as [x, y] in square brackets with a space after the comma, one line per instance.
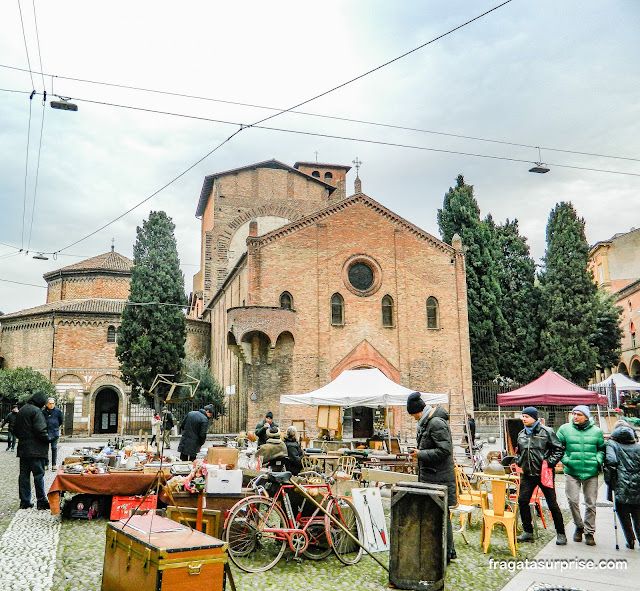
[550, 389]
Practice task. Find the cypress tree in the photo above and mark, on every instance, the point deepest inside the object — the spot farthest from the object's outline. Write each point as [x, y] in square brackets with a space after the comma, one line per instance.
[151, 339]
[516, 271]
[460, 214]
[568, 303]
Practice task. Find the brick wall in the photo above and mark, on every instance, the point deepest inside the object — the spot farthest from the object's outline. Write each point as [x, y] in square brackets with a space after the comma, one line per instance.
[86, 286]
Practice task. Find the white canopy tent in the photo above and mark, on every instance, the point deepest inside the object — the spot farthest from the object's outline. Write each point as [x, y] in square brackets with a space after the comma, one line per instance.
[360, 387]
[617, 382]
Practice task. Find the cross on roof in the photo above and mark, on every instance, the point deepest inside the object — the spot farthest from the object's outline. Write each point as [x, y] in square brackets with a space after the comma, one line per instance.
[357, 163]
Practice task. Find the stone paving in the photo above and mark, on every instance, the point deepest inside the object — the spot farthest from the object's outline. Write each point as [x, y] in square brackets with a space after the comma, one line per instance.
[42, 552]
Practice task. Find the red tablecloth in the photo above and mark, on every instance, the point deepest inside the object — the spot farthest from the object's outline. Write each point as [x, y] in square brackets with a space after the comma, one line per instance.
[98, 484]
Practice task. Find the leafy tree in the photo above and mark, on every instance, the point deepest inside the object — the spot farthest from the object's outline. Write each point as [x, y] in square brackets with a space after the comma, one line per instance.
[568, 303]
[152, 336]
[516, 273]
[23, 382]
[607, 337]
[209, 390]
[460, 215]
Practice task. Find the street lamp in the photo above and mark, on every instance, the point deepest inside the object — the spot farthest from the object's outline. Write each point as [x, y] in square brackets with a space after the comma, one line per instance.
[539, 167]
[63, 104]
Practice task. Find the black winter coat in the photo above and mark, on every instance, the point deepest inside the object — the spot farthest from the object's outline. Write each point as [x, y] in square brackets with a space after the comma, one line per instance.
[194, 432]
[543, 444]
[10, 421]
[435, 451]
[622, 466]
[295, 455]
[31, 429]
[55, 420]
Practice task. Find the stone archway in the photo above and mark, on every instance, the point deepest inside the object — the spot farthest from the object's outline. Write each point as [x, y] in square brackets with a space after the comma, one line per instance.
[106, 410]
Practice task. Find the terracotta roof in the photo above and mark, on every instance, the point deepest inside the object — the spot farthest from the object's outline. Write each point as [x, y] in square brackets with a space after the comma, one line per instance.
[91, 306]
[109, 261]
[273, 163]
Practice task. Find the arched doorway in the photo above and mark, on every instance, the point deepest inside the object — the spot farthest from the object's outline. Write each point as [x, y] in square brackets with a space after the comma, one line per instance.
[106, 411]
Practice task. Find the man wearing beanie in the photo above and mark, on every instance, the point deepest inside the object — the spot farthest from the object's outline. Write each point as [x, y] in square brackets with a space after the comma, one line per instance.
[434, 453]
[33, 450]
[584, 454]
[535, 444]
[262, 428]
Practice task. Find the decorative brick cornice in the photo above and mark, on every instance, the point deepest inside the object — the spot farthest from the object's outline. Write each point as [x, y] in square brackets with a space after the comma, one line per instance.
[269, 320]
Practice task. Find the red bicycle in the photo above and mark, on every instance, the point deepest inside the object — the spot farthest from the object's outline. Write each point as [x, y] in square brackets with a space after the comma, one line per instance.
[259, 528]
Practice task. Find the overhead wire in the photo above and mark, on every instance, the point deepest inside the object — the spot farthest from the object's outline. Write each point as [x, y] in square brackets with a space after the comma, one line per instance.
[24, 36]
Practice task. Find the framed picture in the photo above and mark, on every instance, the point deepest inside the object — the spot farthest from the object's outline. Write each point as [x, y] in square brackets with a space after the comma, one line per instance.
[188, 516]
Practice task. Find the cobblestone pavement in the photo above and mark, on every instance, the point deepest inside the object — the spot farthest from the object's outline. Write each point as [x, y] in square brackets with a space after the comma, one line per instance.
[33, 556]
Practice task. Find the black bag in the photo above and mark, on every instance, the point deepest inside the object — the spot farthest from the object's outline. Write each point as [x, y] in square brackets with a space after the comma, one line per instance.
[86, 506]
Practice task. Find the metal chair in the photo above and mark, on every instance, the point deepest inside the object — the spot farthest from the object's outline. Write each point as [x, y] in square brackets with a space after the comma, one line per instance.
[498, 514]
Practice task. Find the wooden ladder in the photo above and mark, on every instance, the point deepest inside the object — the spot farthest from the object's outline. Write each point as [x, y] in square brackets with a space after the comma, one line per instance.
[459, 429]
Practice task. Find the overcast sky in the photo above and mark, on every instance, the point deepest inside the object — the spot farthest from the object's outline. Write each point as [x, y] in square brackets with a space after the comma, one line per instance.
[560, 75]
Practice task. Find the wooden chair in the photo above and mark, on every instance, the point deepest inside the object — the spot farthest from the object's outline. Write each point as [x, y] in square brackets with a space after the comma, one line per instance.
[311, 463]
[498, 514]
[344, 468]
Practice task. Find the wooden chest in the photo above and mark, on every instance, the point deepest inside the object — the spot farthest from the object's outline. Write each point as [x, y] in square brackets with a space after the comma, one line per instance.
[175, 560]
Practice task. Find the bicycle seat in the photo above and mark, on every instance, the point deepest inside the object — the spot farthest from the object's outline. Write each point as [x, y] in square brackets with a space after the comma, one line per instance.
[279, 477]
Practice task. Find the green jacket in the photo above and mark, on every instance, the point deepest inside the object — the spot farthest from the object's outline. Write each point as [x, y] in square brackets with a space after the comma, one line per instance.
[584, 450]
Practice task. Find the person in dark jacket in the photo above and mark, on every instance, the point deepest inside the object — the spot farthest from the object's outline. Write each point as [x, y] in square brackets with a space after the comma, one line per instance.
[535, 444]
[622, 474]
[167, 425]
[55, 420]
[274, 448]
[10, 421]
[194, 432]
[262, 428]
[33, 449]
[294, 450]
[434, 453]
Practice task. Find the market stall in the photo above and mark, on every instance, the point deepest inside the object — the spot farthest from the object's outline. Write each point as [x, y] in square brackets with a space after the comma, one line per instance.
[614, 386]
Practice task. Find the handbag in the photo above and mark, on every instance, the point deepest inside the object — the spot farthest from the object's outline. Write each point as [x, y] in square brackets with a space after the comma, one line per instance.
[546, 475]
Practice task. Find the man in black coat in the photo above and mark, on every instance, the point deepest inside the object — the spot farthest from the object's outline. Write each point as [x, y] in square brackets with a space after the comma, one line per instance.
[434, 453]
[33, 449]
[10, 421]
[194, 432]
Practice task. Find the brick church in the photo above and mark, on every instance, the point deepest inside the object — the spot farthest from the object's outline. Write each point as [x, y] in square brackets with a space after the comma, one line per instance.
[72, 341]
[300, 281]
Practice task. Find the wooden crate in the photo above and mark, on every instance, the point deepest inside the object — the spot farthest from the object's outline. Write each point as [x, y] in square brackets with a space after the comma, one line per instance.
[418, 536]
[183, 559]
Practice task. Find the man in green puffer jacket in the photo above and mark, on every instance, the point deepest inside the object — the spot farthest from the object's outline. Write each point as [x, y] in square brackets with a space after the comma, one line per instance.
[583, 456]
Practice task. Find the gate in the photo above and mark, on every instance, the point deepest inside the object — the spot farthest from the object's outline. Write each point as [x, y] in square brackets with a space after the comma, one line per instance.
[68, 418]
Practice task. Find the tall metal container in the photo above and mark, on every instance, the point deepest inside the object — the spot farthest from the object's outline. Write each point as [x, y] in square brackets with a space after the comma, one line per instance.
[418, 536]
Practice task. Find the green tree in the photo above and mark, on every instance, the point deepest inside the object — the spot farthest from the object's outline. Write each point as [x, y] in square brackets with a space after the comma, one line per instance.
[23, 382]
[152, 335]
[516, 272]
[568, 302]
[460, 215]
[209, 390]
[607, 337]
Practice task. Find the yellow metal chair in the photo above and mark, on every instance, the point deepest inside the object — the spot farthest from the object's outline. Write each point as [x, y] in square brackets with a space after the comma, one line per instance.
[498, 514]
[468, 495]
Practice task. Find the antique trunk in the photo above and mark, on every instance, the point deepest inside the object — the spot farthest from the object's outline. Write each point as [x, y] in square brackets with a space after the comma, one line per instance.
[151, 553]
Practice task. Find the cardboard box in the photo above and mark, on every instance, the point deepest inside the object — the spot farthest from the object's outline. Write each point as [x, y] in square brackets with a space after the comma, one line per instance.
[223, 455]
[223, 482]
[121, 506]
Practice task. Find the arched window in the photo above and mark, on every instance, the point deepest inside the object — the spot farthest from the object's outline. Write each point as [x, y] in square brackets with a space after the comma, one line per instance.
[286, 301]
[315, 174]
[387, 311]
[328, 176]
[111, 334]
[433, 314]
[337, 310]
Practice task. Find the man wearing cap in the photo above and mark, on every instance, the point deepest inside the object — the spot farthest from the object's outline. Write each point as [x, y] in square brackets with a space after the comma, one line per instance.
[434, 453]
[584, 454]
[194, 432]
[262, 428]
[274, 448]
[537, 443]
[33, 449]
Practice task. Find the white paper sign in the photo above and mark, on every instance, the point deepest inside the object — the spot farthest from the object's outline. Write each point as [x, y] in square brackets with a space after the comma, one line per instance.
[368, 503]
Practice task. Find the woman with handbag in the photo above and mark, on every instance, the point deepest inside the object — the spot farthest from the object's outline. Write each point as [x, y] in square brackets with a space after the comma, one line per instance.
[537, 445]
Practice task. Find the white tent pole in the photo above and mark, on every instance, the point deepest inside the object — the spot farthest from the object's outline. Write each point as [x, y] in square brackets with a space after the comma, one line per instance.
[599, 417]
[388, 429]
[499, 427]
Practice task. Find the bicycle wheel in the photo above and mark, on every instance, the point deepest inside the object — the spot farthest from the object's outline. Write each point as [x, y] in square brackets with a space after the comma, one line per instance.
[250, 547]
[319, 546]
[345, 548]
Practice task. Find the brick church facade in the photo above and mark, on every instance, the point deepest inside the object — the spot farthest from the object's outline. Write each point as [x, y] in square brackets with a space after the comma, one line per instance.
[300, 281]
[72, 340]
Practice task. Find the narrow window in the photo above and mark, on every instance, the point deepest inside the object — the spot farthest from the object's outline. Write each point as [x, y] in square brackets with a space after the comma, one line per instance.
[111, 334]
[433, 315]
[286, 301]
[387, 311]
[337, 310]
[328, 176]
